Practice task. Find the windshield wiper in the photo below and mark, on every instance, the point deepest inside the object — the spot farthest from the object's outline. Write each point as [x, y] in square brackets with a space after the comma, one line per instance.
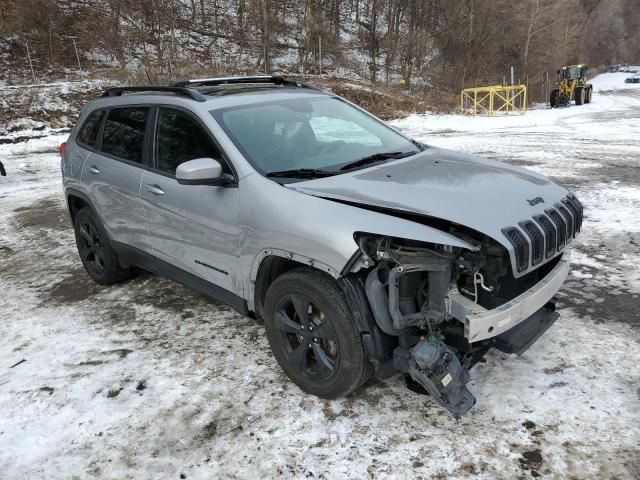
[421, 146]
[300, 173]
[376, 157]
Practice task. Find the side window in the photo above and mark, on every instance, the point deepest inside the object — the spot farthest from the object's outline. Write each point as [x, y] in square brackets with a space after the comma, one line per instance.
[89, 131]
[124, 133]
[179, 139]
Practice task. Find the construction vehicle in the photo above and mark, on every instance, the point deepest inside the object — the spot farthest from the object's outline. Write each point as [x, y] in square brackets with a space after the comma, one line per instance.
[571, 86]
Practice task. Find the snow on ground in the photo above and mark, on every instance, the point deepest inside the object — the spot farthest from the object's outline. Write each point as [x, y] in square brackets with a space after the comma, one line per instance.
[149, 380]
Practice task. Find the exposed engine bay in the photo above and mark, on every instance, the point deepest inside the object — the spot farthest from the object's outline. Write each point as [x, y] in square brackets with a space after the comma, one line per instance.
[410, 285]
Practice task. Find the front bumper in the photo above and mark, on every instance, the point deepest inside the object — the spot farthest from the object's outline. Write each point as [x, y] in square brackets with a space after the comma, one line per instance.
[481, 324]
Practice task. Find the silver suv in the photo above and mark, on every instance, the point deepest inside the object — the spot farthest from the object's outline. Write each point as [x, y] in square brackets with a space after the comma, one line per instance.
[363, 251]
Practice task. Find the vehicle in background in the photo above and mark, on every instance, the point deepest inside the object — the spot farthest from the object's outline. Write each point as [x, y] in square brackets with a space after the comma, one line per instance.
[571, 86]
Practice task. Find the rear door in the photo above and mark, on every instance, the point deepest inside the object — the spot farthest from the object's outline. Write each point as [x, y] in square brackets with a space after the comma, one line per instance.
[193, 227]
[113, 172]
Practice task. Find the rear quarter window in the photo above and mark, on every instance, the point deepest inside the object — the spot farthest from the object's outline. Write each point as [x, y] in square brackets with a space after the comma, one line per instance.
[123, 135]
[90, 129]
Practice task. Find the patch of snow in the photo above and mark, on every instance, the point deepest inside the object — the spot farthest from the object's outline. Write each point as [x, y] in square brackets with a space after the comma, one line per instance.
[612, 81]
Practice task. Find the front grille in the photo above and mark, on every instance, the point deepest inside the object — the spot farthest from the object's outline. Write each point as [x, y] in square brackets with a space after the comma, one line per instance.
[545, 235]
[536, 238]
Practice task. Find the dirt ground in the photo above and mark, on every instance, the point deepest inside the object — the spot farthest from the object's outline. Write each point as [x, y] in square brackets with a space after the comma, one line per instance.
[149, 380]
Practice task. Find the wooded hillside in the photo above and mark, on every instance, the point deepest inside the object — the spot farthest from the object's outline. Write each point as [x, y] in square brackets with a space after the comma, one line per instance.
[441, 43]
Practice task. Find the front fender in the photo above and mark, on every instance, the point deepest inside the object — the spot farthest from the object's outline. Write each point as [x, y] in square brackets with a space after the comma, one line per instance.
[311, 230]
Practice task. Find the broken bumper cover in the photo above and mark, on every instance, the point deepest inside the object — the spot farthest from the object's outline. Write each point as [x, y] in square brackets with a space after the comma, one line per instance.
[481, 324]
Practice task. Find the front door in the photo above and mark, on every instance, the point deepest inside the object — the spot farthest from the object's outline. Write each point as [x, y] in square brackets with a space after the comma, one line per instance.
[192, 227]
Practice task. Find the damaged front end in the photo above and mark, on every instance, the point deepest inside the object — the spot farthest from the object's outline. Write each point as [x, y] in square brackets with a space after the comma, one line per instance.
[428, 301]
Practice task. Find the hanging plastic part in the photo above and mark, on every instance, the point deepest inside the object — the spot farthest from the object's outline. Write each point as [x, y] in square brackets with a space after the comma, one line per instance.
[436, 367]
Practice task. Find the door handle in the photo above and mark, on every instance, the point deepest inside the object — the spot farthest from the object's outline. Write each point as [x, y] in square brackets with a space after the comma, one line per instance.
[155, 189]
[93, 169]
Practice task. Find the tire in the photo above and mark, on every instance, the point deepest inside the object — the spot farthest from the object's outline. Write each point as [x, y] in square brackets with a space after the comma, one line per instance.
[313, 336]
[553, 97]
[579, 95]
[587, 97]
[95, 250]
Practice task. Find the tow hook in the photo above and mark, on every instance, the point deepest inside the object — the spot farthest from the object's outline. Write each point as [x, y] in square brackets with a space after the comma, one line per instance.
[437, 369]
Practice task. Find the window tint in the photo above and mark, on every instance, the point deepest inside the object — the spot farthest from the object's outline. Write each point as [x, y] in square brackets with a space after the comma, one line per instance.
[89, 131]
[124, 133]
[179, 139]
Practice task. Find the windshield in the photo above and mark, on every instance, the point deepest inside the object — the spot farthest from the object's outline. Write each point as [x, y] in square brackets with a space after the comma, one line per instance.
[317, 134]
[572, 73]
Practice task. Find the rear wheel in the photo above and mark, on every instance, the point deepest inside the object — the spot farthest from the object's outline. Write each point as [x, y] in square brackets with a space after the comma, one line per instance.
[97, 255]
[553, 98]
[579, 95]
[313, 335]
[587, 97]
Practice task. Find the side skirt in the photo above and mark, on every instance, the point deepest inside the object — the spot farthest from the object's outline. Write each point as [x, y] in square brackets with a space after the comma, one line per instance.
[129, 255]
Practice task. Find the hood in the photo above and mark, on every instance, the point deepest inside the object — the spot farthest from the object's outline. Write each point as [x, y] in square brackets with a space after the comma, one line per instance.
[476, 192]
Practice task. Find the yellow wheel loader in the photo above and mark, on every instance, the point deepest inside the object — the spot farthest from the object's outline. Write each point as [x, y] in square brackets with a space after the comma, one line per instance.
[571, 86]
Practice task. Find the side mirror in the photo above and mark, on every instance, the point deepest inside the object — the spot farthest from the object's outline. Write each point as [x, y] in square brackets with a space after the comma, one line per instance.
[202, 171]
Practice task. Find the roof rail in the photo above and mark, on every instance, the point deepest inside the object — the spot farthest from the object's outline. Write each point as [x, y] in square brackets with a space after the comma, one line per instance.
[210, 82]
[188, 92]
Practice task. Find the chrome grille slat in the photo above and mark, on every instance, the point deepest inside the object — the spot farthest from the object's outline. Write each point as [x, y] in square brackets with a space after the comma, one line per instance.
[578, 206]
[520, 246]
[574, 213]
[550, 234]
[568, 219]
[536, 239]
[561, 227]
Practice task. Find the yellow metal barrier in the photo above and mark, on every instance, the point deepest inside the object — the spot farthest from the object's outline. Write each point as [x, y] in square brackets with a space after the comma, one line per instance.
[494, 99]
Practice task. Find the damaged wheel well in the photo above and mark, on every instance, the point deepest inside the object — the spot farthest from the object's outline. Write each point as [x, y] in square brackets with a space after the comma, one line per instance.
[270, 268]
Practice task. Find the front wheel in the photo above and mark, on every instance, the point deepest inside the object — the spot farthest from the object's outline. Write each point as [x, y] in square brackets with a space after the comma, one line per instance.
[579, 95]
[313, 335]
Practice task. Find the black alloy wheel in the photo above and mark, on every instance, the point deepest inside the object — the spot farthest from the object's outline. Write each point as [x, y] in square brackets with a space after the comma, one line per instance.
[309, 340]
[313, 334]
[90, 247]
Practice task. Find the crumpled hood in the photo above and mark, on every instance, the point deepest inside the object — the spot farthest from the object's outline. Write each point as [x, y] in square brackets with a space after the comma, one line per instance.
[483, 194]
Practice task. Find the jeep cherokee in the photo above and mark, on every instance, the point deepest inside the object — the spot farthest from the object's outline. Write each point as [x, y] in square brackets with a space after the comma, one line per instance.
[363, 251]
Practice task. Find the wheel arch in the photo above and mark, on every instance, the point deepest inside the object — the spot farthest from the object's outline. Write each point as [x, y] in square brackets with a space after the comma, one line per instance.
[269, 264]
[77, 200]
